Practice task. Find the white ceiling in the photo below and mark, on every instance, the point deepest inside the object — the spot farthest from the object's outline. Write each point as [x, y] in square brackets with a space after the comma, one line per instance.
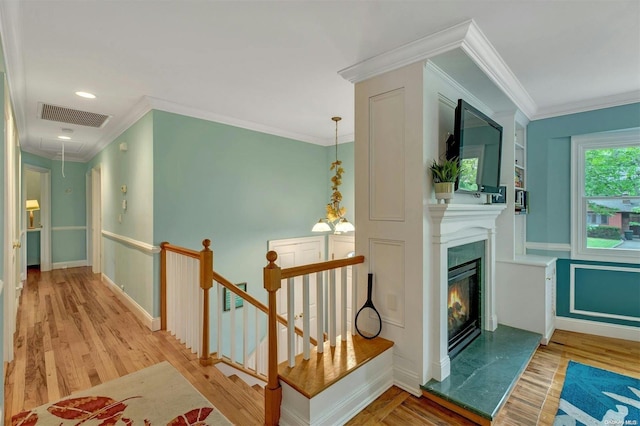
[273, 65]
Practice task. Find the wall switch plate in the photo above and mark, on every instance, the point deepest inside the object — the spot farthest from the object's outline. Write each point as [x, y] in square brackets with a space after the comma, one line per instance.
[124, 204]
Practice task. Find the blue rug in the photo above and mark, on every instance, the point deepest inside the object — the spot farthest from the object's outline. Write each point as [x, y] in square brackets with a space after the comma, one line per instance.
[591, 396]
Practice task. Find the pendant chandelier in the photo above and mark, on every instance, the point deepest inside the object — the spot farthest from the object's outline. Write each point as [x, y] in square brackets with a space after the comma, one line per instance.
[335, 213]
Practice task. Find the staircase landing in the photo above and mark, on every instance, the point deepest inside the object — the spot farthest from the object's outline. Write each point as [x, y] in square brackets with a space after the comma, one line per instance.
[312, 376]
[484, 374]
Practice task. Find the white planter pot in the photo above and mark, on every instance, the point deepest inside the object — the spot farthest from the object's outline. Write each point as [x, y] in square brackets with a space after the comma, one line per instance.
[444, 191]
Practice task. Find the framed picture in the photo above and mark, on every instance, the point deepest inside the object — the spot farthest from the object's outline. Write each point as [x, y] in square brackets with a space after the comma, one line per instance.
[226, 302]
[500, 197]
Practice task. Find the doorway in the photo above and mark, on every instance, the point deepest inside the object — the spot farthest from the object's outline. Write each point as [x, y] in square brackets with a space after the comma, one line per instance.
[36, 185]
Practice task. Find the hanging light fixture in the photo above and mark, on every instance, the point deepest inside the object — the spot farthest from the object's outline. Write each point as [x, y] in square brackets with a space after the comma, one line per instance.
[335, 213]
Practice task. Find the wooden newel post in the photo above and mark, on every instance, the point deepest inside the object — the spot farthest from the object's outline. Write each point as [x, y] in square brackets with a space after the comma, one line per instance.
[163, 286]
[206, 282]
[273, 391]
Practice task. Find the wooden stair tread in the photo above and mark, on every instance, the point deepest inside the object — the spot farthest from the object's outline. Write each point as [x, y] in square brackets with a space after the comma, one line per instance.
[321, 370]
[245, 387]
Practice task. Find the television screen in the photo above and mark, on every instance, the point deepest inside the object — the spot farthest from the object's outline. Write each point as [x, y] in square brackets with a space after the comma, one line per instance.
[477, 143]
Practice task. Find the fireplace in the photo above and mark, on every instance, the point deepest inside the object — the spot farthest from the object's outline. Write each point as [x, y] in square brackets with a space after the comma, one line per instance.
[463, 306]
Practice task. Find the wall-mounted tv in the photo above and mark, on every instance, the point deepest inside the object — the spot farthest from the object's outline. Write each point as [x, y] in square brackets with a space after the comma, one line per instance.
[477, 143]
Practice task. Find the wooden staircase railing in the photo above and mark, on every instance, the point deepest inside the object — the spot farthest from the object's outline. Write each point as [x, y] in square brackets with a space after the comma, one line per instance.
[273, 276]
[198, 304]
[186, 278]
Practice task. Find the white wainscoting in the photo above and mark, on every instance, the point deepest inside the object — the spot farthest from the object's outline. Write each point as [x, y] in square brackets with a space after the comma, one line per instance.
[572, 291]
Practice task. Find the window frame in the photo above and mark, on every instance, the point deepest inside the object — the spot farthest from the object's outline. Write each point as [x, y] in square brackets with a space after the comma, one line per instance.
[579, 145]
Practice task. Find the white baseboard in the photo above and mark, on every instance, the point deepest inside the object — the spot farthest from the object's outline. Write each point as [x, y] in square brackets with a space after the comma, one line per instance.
[598, 328]
[331, 407]
[72, 264]
[406, 380]
[152, 323]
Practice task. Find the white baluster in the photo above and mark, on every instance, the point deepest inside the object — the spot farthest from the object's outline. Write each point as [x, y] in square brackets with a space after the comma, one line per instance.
[320, 311]
[219, 325]
[291, 335]
[343, 303]
[306, 332]
[354, 294]
[232, 312]
[332, 308]
[245, 334]
[257, 339]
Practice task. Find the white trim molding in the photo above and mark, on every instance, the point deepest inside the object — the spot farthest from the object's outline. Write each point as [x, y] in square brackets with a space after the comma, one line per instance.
[465, 36]
[580, 144]
[68, 228]
[145, 318]
[70, 264]
[140, 245]
[572, 291]
[530, 245]
[604, 329]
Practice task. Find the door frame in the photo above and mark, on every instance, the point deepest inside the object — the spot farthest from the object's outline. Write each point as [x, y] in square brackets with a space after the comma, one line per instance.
[11, 226]
[96, 221]
[45, 214]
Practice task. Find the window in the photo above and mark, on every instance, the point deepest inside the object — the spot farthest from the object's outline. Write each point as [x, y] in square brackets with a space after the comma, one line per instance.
[605, 185]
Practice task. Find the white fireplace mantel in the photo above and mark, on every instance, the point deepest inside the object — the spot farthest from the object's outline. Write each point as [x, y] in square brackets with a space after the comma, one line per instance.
[454, 225]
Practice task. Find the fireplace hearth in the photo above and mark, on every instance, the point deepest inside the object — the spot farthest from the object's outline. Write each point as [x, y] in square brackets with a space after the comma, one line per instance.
[463, 306]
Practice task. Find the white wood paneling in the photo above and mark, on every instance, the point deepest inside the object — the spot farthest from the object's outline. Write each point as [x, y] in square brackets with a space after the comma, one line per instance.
[386, 156]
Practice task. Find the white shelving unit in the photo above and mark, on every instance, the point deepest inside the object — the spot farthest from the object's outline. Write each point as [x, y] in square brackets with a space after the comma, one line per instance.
[525, 284]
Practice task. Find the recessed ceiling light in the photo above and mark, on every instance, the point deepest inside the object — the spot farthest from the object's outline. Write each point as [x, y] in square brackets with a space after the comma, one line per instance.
[66, 138]
[86, 95]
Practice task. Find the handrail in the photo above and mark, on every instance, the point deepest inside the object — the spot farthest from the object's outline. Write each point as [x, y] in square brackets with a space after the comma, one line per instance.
[180, 250]
[319, 267]
[255, 302]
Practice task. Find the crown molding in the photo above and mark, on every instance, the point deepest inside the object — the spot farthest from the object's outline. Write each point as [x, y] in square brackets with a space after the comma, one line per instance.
[136, 113]
[415, 51]
[14, 65]
[477, 46]
[168, 106]
[465, 36]
[588, 105]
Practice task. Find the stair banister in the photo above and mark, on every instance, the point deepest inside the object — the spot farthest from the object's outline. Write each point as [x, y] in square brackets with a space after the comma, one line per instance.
[273, 390]
[206, 282]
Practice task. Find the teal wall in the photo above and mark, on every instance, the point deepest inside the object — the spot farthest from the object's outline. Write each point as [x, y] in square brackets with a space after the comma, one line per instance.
[129, 267]
[237, 187]
[600, 291]
[549, 186]
[68, 209]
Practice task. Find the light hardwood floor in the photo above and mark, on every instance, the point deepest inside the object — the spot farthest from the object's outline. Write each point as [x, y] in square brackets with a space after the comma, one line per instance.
[73, 334]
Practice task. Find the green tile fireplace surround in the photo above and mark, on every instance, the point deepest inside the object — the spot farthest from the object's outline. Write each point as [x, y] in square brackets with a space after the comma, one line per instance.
[484, 373]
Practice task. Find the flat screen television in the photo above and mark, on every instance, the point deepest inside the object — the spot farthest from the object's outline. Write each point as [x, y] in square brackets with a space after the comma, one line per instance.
[477, 143]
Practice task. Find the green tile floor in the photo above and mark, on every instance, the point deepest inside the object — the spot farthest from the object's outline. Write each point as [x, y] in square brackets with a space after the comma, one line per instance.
[483, 374]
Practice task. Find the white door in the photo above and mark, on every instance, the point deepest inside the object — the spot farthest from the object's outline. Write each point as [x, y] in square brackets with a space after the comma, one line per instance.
[11, 229]
[295, 252]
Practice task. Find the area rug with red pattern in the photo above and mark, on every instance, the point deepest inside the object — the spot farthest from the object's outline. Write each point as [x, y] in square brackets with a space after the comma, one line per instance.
[157, 395]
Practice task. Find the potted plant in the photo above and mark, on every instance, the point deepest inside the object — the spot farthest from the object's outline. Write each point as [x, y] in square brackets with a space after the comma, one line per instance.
[444, 174]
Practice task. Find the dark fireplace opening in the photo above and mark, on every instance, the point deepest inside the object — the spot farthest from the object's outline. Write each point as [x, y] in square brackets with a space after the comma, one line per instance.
[463, 306]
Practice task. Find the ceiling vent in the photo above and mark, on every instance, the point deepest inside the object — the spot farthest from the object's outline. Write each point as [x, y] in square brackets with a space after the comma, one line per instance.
[72, 116]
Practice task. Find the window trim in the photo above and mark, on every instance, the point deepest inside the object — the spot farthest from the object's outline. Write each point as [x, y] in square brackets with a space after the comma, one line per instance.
[580, 144]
